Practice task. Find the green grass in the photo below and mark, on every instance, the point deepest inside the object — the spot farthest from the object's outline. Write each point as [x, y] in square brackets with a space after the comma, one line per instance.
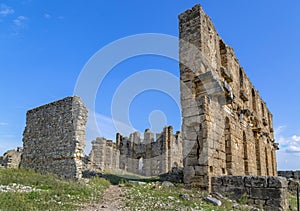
[293, 201]
[52, 193]
[117, 177]
[154, 197]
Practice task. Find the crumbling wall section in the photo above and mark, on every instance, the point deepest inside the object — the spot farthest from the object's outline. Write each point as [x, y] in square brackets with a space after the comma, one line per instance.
[11, 158]
[268, 192]
[104, 154]
[54, 138]
[146, 156]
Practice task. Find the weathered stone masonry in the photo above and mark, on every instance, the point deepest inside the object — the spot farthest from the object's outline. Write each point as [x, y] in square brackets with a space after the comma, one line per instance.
[227, 128]
[11, 158]
[268, 192]
[104, 154]
[54, 138]
[145, 156]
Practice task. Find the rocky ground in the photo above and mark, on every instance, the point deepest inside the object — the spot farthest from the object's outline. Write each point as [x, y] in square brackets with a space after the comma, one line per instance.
[113, 199]
[17, 188]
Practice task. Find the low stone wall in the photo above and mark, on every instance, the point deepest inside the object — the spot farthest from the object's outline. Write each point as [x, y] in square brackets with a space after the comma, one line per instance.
[267, 192]
[289, 174]
[54, 138]
[293, 179]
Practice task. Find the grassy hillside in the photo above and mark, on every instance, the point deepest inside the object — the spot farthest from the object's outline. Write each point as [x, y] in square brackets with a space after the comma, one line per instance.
[47, 191]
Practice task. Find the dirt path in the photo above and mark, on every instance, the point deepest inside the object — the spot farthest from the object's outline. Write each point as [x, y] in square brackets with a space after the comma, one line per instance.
[113, 199]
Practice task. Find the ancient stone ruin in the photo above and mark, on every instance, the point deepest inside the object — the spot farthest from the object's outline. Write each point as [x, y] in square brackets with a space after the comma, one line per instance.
[104, 154]
[145, 156]
[227, 128]
[54, 138]
[268, 192]
[293, 178]
[11, 158]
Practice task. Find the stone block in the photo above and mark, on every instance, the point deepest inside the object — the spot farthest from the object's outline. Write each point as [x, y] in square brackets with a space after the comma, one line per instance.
[277, 182]
[216, 181]
[255, 181]
[233, 181]
[259, 193]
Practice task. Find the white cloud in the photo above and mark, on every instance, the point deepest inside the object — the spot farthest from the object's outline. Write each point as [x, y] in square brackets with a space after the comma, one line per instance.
[3, 124]
[296, 138]
[293, 148]
[289, 153]
[47, 16]
[6, 10]
[20, 21]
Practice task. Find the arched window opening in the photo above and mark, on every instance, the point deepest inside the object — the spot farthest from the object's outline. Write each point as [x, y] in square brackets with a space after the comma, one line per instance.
[241, 78]
[141, 165]
[253, 100]
[263, 109]
[228, 146]
[246, 164]
[267, 163]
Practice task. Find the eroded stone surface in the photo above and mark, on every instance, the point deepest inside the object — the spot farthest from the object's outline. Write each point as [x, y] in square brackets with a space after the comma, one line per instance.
[11, 158]
[54, 138]
[268, 192]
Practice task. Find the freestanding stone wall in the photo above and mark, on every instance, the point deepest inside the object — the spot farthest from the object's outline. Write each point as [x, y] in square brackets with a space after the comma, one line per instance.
[54, 138]
[269, 192]
[227, 128]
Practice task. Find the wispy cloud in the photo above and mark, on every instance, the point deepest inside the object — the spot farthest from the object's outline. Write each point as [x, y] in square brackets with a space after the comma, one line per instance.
[20, 21]
[3, 124]
[6, 10]
[108, 127]
[105, 127]
[296, 138]
[47, 16]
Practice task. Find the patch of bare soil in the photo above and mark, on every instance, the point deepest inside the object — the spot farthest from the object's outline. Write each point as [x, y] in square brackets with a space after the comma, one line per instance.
[113, 199]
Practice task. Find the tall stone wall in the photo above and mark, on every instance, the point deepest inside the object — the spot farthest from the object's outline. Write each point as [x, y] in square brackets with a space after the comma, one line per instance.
[227, 128]
[269, 192]
[146, 156]
[54, 138]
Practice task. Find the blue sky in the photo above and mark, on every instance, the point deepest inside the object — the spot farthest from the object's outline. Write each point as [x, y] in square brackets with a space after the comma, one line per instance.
[44, 45]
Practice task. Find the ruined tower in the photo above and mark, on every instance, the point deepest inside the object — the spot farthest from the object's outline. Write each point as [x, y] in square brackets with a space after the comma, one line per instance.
[227, 128]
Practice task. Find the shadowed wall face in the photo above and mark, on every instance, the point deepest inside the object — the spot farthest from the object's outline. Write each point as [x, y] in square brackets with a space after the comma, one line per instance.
[54, 138]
